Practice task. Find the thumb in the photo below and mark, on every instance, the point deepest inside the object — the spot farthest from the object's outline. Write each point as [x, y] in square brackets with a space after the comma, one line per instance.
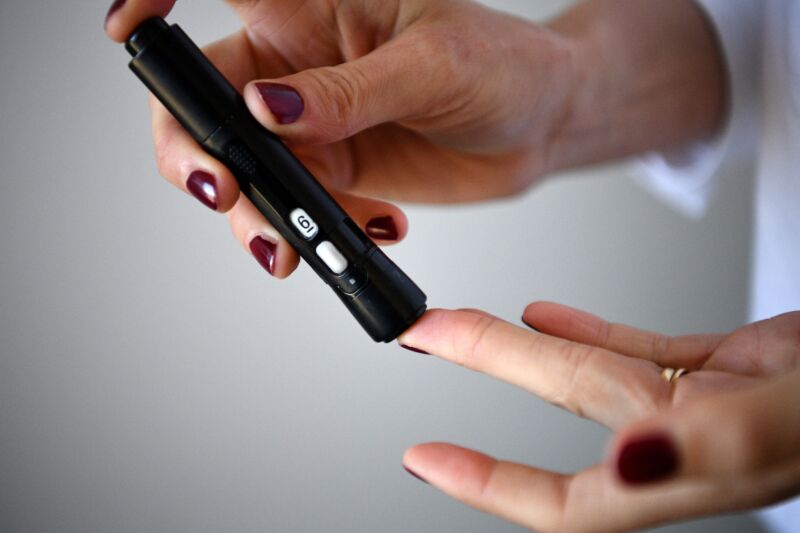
[398, 81]
[733, 434]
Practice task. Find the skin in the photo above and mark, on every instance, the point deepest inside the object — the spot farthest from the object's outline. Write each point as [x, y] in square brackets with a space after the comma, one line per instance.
[734, 419]
[446, 101]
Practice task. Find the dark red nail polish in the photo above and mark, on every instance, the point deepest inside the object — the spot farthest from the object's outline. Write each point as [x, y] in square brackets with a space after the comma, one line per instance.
[203, 186]
[415, 350]
[114, 8]
[647, 459]
[382, 228]
[283, 101]
[415, 474]
[264, 251]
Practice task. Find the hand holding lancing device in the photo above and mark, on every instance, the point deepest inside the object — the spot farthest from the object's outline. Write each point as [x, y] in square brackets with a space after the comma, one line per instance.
[386, 99]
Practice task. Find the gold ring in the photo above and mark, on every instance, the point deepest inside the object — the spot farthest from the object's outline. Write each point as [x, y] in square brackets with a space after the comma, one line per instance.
[670, 374]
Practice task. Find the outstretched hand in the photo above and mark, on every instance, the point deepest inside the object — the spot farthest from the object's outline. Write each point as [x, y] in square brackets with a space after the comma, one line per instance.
[723, 437]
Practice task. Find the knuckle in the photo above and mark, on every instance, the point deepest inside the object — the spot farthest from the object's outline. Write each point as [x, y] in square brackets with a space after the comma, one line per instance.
[440, 56]
[442, 59]
[660, 346]
[441, 49]
[576, 357]
[343, 93]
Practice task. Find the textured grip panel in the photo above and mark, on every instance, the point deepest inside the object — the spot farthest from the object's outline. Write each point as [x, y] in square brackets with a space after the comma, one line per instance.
[242, 158]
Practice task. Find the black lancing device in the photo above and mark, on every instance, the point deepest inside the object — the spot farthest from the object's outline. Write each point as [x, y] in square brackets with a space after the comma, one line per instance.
[382, 297]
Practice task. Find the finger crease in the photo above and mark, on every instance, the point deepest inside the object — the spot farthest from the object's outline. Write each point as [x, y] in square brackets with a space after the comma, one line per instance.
[480, 330]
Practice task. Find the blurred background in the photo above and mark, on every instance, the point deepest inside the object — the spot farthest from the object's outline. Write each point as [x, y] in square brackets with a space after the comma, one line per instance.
[154, 378]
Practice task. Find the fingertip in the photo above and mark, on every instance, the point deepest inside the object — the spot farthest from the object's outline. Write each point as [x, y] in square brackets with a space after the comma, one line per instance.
[560, 320]
[123, 16]
[227, 186]
[203, 186]
[387, 229]
[276, 106]
[288, 260]
[184, 164]
[257, 108]
[420, 456]
[446, 333]
[210, 183]
[535, 310]
[458, 471]
[274, 254]
[419, 335]
[532, 315]
[383, 222]
[284, 102]
[112, 22]
[270, 250]
[265, 251]
[303, 107]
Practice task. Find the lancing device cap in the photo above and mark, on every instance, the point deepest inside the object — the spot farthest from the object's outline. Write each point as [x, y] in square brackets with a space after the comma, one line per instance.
[178, 73]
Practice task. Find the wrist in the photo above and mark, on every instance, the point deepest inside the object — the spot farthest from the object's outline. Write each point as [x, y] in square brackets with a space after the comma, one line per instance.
[586, 133]
[645, 76]
[555, 79]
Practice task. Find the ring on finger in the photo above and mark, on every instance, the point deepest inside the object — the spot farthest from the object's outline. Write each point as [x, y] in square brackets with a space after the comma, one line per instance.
[671, 375]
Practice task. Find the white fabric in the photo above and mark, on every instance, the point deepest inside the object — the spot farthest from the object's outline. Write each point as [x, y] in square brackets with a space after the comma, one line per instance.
[761, 40]
[684, 179]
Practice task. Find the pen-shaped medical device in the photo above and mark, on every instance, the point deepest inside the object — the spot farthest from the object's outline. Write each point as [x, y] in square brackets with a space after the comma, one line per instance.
[381, 296]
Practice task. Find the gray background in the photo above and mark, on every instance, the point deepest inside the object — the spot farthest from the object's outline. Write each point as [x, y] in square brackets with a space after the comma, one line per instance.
[153, 378]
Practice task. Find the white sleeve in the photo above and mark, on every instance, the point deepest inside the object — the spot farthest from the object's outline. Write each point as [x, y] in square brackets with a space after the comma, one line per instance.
[684, 178]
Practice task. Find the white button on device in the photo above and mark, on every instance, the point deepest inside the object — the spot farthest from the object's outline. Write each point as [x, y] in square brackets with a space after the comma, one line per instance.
[332, 257]
[305, 224]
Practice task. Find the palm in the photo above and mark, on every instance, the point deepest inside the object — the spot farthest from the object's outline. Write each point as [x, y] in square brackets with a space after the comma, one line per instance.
[717, 363]
[749, 354]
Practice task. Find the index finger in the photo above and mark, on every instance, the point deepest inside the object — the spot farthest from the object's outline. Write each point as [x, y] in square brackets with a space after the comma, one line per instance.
[125, 15]
[589, 381]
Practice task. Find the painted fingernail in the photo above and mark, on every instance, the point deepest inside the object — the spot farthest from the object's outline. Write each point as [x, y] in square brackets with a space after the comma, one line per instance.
[415, 475]
[114, 8]
[264, 251]
[382, 228]
[415, 350]
[647, 459]
[203, 186]
[283, 101]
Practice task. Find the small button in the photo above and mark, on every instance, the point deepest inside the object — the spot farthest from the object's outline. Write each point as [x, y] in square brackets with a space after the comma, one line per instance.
[352, 281]
[304, 224]
[332, 257]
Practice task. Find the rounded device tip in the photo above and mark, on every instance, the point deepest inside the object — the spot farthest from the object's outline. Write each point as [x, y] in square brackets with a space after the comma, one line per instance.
[144, 34]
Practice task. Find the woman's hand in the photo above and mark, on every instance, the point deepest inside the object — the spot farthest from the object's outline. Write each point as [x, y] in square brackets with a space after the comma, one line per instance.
[443, 101]
[723, 437]
[428, 101]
